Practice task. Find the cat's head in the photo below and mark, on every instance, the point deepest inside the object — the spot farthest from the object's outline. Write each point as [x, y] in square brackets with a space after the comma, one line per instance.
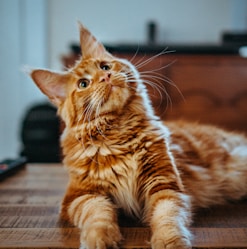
[98, 85]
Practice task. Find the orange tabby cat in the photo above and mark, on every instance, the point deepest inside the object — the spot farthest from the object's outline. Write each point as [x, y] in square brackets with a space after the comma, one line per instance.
[120, 155]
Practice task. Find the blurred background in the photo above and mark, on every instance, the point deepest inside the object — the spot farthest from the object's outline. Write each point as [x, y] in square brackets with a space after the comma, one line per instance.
[38, 33]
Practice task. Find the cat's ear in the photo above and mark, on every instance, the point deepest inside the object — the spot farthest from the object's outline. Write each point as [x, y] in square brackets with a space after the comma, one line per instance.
[52, 84]
[90, 46]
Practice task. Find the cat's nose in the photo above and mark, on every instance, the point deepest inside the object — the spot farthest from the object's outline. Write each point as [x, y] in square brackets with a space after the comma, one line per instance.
[105, 78]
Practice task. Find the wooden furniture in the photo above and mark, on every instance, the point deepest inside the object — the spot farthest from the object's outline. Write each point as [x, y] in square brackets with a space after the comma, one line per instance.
[205, 88]
[29, 216]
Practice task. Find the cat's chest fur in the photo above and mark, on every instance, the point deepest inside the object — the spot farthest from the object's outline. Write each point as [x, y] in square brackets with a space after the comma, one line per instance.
[112, 168]
[112, 163]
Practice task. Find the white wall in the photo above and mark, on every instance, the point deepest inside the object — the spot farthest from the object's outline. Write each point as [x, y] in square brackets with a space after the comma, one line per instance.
[190, 21]
[38, 32]
[23, 41]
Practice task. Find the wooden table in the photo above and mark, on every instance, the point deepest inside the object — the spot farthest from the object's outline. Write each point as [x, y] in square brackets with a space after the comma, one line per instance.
[29, 207]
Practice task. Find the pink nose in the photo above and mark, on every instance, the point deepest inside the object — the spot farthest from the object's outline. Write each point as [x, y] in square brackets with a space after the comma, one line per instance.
[105, 78]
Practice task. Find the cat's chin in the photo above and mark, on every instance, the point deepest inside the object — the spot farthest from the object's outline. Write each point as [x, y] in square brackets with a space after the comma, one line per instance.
[114, 102]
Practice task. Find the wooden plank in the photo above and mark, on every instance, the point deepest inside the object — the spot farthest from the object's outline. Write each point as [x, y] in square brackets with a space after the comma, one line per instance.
[220, 237]
[29, 216]
[28, 210]
[134, 238]
[39, 238]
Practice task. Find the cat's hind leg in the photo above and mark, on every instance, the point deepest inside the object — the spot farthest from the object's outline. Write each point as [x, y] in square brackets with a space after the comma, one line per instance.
[234, 182]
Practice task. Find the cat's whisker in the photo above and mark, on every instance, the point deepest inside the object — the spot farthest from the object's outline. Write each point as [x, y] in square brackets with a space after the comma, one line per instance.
[87, 118]
[140, 61]
[131, 87]
[160, 90]
[98, 118]
[134, 56]
[78, 124]
[93, 113]
[89, 126]
[156, 75]
[85, 113]
[155, 83]
[161, 67]
[78, 130]
[150, 59]
[161, 78]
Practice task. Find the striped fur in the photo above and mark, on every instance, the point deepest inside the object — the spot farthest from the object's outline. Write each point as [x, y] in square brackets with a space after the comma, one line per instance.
[119, 155]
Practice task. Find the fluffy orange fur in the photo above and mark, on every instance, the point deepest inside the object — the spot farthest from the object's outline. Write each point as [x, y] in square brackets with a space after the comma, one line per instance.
[120, 155]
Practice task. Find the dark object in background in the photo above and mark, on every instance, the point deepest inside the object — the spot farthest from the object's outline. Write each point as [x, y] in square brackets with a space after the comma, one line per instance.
[40, 134]
[10, 166]
[151, 32]
[235, 38]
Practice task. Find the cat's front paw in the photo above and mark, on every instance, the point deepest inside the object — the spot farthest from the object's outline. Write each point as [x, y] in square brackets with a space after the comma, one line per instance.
[158, 242]
[101, 237]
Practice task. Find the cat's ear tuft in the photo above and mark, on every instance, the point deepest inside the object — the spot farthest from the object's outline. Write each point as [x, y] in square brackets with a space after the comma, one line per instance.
[26, 69]
[52, 84]
[90, 46]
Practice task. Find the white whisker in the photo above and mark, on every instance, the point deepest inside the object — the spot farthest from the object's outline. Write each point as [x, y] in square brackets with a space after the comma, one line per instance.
[150, 59]
[134, 56]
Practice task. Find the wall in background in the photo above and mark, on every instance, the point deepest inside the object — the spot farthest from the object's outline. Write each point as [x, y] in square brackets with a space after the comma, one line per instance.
[23, 42]
[38, 32]
[191, 21]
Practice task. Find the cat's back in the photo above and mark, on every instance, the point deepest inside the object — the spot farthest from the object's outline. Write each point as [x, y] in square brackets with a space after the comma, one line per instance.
[212, 161]
[202, 136]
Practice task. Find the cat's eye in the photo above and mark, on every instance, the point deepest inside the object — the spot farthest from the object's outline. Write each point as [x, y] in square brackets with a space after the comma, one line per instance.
[105, 66]
[83, 83]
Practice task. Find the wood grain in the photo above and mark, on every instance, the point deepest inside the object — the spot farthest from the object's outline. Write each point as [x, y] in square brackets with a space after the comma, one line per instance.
[29, 216]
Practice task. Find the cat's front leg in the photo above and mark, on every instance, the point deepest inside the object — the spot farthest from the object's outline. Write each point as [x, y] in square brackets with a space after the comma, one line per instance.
[97, 219]
[169, 217]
